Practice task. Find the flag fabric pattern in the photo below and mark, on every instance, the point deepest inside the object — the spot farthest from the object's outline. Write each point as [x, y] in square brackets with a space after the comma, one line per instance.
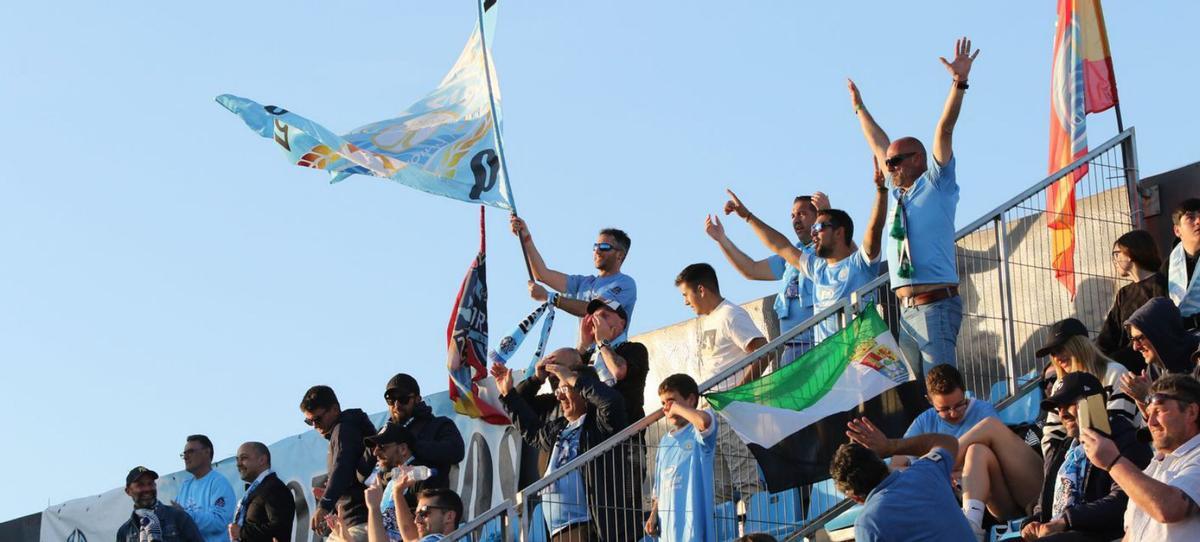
[812, 397]
[447, 144]
[472, 390]
[1082, 82]
[511, 342]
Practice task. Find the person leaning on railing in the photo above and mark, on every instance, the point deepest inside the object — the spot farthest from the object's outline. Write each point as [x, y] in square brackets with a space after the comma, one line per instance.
[921, 259]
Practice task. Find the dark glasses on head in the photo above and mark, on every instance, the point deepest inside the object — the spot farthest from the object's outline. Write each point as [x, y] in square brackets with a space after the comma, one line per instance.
[896, 160]
[1158, 398]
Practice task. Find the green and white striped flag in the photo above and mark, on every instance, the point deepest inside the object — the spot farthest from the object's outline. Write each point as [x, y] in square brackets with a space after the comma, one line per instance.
[845, 370]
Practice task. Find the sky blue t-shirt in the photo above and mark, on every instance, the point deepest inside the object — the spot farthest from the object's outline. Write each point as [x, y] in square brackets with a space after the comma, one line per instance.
[564, 503]
[930, 204]
[916, 504]
[683, 483]
[618, 287]
[930, 422]
[832, 282]
[794, 301]
[210, 503]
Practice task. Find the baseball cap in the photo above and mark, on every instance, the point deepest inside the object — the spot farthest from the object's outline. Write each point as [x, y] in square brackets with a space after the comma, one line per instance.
[597, 303]
[390, 433]
[1060, 332]
[138, 472]
[1075, 386]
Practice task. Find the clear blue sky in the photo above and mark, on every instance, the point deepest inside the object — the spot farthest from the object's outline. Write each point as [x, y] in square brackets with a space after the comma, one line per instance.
[165, 272]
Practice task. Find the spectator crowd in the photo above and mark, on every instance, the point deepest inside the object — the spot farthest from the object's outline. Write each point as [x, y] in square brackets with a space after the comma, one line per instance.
[1115, 453]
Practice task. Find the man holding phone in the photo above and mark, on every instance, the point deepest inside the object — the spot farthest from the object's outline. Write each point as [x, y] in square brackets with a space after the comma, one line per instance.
[1077, 501]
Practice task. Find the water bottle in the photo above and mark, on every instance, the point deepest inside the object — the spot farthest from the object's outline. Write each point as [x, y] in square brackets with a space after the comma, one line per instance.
[419, 473]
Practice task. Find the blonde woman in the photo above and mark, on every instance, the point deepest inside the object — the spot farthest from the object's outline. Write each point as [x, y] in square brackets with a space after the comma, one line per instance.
[1071, 351]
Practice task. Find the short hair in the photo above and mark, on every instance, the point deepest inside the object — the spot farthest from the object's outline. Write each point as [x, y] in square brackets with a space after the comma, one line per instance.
[1190, 205]
[619, 236]
[680, 383]
[446, 498]
[319, 396]
[1179, 385]
[943, 379]
[699, 274]
[1140, 247]
[260, 449]
[756, 537]
[840, 219]
[203, 440]
[856, 470]
[804, 199]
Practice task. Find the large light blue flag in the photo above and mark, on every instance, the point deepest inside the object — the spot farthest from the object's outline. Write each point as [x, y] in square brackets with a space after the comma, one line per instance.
[446, 144]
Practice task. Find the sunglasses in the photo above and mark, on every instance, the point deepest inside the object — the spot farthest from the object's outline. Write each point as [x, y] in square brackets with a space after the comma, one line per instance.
[1138, 339]
[314, 419]
[952, 408]
[424, 511]
[561, 391]
[819, 227]
[896, 160]
[392, 399]
[604, 247]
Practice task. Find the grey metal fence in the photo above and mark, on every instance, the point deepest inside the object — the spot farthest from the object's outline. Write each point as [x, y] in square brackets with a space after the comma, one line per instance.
[494, 525]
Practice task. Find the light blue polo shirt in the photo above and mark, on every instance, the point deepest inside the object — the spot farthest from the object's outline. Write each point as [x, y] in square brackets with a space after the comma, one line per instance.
[916, 504]
[835, 281]
[683, 483]
[564, 503]
[618, 287]
[794, 301]
[930, 422]
[930, 204]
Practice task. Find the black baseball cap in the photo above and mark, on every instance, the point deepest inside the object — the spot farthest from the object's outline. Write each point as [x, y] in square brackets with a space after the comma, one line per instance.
[597, 303]
[390, 433]
[138, 472]
[1060, 332]
[402, 384]
[1075, 386]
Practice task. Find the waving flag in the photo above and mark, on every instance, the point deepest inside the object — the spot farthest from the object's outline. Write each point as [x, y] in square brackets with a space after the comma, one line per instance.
[1082, 82]
[472, 390]
[511, 342]
[794, 418]
[446, 144]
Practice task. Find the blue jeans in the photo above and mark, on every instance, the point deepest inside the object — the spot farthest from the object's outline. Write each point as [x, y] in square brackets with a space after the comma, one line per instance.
[928, 333]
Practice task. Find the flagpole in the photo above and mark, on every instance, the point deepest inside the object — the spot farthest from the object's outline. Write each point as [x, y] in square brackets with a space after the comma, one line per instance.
[1120, 125]
[487, 71]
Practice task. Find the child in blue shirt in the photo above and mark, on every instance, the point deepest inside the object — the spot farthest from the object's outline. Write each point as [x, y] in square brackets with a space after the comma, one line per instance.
[683, 478]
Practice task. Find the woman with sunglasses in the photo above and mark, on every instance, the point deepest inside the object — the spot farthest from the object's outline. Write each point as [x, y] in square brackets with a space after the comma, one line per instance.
[1134, 257]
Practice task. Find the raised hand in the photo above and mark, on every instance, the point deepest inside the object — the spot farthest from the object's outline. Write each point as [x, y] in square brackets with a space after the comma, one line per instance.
[587, 333]
[734, 205]
[373, 496]
[880, 181]
[862, 431]
[519, 229]
[820, 201]
[960, 67]
[1101, 451]
[855, 96]
[503, 376]
[713, 227]
[1135, 385]
[538, 292]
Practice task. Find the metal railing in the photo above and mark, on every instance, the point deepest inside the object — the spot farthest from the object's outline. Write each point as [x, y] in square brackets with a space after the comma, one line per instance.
[1009, 297]
[494, 525]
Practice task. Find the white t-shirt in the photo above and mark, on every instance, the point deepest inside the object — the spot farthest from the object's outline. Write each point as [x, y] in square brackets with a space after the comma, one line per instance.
[724, 335]
[1179, 469]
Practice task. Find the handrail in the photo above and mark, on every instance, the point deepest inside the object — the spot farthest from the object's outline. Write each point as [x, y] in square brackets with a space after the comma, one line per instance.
[482, 519]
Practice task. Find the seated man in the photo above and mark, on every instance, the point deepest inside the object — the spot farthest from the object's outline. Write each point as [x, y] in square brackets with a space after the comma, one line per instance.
[915, 504]
[439, 512]
[953, 413]
[682, 508]
[1163, 497]
[583, 505]
[1000, 473]
[1077, 502]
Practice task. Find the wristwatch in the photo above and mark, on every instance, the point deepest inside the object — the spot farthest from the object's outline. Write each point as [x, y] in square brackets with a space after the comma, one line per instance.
[605, 344]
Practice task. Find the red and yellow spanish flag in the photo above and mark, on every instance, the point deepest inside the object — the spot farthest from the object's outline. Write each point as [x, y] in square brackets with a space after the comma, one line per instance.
[1082, 82]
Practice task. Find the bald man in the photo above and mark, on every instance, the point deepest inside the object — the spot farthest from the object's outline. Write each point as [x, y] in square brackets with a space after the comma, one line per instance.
[921, 253]
[267, 508]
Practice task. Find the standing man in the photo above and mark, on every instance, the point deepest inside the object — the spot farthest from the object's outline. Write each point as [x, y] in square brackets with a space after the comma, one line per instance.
[153, 520]
[345, 463]
[437, 444]
[835, 267]
[1162, 498]
[726, 335]
[1180, 267]
[267, 509]
[794, 301]
[608, 254]
[920, 259]
[207, 495]
[620, 363]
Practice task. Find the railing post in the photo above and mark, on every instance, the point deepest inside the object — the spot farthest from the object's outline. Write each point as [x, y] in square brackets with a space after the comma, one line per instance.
[1006, 305]
[1137, 214]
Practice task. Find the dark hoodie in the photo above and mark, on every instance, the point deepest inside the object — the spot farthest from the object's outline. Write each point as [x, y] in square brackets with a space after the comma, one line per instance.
[345, 467]
[439, 446]
[1160, 322]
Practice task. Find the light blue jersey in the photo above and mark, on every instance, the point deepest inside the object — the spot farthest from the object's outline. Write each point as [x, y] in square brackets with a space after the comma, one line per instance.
[929, 208]
[833, 282]
[930, 422]
[794, 301]
[916, 504]
[210, 503]
[564, 503]
[388, 507]
[683, 483]
[617, 287]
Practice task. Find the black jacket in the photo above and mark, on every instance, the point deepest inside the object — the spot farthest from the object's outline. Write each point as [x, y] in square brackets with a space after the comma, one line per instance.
[633, 387]
[1113, 340]
[270, 512]
[347, 467]
[1103, 507]
[176, 525]
[614, 516]
[439, 445]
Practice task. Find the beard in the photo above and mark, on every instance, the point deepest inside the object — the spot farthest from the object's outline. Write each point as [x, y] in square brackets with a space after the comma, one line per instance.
[824, 251]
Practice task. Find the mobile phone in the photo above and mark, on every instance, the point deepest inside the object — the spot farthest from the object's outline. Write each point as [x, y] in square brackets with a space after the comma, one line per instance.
[1093, 413]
